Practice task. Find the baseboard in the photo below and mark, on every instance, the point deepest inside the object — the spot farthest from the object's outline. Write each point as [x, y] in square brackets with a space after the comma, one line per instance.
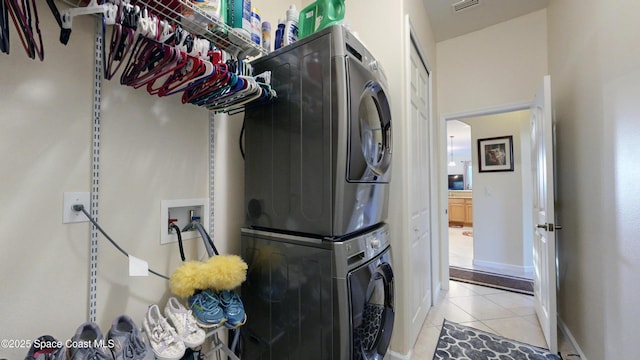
[565, 330]
[501, 267]
[392, 355]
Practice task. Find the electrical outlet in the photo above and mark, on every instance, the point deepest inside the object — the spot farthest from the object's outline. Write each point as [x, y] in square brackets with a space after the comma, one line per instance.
[72, 198]
[181, 211]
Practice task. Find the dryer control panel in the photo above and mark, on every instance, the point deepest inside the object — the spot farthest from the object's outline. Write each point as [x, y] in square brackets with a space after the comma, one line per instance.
[358, 250]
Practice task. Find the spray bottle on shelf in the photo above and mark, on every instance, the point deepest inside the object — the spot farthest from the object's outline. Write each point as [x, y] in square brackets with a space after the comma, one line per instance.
[291, 26]
[279, 35]
[266, 36]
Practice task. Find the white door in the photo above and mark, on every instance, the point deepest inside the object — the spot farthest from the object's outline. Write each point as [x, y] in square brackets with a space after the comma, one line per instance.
[419, 186]
[544, 240]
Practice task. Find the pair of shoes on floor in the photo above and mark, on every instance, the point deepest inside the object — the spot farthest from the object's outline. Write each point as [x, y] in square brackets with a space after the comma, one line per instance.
[214, 309]
[170, 336]
[46, 347]
[124, 342]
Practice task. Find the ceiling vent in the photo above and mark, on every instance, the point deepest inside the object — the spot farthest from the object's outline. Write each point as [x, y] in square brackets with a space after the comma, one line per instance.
[464, 4]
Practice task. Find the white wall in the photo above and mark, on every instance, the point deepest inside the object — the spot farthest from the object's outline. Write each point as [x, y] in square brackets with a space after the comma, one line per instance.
[151, 149]
[594, 61]
[499, 65]
[498, 207]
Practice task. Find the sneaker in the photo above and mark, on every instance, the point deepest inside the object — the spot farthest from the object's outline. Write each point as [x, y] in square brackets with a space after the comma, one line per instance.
[162, 337]
[206, 308]
[87, 343]
[233, 309]
[46, 347]
[184, 323]
[125, 340]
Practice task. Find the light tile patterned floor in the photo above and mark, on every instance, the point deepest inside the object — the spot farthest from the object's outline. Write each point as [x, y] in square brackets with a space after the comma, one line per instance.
[461, 253]
[496, 311]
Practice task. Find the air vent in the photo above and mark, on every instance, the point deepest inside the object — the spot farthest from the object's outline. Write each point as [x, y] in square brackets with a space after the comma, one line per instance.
[464, 4]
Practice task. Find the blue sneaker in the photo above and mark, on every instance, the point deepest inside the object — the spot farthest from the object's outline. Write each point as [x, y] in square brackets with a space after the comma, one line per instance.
[205, 305]
[233, 309]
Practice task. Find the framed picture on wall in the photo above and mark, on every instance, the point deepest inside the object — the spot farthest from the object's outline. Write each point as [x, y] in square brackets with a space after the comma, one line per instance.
[495, 154]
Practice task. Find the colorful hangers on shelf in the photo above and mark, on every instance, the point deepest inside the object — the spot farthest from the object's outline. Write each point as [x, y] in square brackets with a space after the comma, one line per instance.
[150, 52]
[167, 60]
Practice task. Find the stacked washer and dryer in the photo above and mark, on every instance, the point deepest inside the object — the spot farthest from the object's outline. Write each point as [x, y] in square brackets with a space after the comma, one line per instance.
[317, 166]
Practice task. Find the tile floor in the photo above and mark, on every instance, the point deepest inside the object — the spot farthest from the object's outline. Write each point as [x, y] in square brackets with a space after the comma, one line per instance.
[500, 312]
[461, 253]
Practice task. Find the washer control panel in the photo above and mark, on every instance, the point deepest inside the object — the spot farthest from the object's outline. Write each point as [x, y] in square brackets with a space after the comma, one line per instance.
[376, 241]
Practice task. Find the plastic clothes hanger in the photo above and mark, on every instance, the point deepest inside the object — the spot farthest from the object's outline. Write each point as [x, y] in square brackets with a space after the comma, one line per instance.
[213, 82]
[4, 27]
[250, 93]
[153, 60]
[199, 69]
[23, 16]
[122, 38]
[64, 33]
[234, 83]
[193, 73]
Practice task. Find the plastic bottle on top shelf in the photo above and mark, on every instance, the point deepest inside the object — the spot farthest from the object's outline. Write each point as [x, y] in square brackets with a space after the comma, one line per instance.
[266, 36]
[320, 14]
[291, 26]
[279, 35]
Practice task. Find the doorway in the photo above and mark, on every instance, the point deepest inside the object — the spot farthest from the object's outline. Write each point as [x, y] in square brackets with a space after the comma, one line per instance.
[459, 194]
[488, 217]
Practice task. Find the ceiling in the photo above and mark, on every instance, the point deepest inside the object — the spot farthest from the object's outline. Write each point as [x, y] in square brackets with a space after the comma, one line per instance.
[446, 24]
[460, 144]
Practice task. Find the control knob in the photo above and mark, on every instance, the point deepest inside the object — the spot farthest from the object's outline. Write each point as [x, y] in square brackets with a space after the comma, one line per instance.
[373, 65]
[375, 243]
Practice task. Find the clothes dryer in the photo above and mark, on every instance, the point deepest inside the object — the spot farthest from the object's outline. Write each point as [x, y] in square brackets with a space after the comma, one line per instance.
[318, 159]
[317, 299]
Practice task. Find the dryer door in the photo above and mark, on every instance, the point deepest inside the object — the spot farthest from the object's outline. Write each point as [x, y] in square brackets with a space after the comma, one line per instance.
[369, 126]
[372, 309]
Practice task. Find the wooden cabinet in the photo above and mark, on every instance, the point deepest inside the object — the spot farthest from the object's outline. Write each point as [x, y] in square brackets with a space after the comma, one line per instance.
[468, 212]
[461, 211]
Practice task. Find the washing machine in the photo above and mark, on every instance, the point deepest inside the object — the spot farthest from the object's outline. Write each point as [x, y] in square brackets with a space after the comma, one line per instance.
[313, 299]
[318, 159]
[364, 281]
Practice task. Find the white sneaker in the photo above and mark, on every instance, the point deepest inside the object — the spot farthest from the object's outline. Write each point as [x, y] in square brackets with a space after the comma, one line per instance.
[165, 343]
[184, 323]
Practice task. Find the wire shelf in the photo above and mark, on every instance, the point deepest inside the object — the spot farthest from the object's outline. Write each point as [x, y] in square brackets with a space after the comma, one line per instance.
[232, 41]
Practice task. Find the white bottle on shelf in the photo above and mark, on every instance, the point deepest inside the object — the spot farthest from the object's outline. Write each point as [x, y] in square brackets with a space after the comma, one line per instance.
[291, 26]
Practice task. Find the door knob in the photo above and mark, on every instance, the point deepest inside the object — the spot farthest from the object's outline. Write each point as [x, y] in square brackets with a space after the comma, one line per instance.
[549, 227]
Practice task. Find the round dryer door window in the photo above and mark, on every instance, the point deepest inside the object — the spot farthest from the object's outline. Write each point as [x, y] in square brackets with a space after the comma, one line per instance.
[375, 128]
[370, 126]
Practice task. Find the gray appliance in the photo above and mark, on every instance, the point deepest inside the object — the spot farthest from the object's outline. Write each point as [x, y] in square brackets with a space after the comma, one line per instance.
[311, 299]
[317, 161]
